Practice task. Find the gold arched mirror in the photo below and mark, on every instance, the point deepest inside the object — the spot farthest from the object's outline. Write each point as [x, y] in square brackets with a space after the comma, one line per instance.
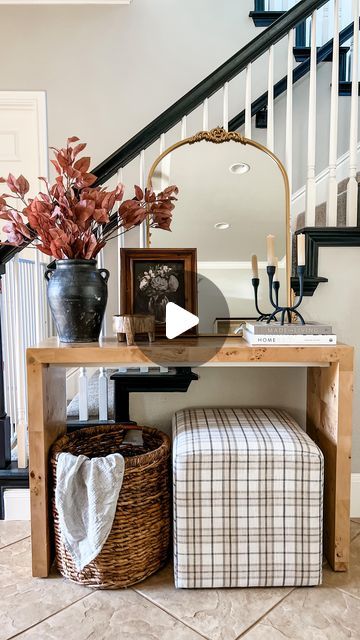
[233, 192]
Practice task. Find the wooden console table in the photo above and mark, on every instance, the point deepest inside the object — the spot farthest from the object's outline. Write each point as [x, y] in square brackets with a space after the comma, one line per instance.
[329, 414]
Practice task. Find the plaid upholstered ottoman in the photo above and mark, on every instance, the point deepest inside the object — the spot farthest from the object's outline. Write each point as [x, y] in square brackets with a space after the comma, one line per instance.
[248, 500]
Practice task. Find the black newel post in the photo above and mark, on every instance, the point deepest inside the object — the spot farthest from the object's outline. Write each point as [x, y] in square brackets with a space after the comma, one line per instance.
[5, 431]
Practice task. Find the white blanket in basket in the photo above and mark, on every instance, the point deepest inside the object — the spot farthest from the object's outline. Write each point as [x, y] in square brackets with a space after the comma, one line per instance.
[86, 496]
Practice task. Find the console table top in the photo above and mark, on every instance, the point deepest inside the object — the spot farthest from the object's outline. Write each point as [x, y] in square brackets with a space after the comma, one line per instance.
[211, 350]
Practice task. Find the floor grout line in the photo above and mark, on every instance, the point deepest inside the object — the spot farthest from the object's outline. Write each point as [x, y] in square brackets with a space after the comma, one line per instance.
[36, 624]
[172, 615]
[14, 542]
[352, 595]
[355, 536]
[265, 614]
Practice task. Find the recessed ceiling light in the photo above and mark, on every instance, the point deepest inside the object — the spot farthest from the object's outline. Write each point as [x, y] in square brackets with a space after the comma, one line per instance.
[222, 225]
[239, 167]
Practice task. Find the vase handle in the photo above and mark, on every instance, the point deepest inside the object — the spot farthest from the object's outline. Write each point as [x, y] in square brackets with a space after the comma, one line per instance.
[105, 274]
[48, 273]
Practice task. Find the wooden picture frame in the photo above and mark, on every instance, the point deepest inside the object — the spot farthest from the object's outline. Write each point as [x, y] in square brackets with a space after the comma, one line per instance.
[150, 278]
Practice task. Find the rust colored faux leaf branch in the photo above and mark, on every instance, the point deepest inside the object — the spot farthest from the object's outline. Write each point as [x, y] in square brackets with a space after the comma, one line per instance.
[70, 218]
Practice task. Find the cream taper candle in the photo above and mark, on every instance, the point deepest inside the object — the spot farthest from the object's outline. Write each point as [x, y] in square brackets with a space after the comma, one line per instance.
[270, 250]
[254, 265]
[276, 274]
[301, 249]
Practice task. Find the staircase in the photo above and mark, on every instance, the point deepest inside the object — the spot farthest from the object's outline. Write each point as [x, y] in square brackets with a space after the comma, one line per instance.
[305, 45]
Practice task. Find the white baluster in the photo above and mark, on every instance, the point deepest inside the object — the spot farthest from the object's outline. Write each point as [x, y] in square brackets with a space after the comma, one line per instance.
[352, 186]
[205, 124]
[20, 372]
[36, 277]
[103, 394]
[311, 155]
[26, 324]
[13, 337]
[120, 242]
[83, 395]
[289, 108]
[142, 186]
[270, 104]
[10, 364]
[248, 102]
[183, 128]
[332, 201]
[349, 59]
[226, 106]
[6, 346]
[165, 163]
[49, 326]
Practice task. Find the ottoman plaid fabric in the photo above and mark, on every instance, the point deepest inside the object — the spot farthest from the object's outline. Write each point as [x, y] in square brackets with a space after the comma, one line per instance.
[248, 500]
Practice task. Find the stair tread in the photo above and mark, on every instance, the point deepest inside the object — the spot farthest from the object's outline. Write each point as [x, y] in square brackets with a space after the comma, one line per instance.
[265, 18]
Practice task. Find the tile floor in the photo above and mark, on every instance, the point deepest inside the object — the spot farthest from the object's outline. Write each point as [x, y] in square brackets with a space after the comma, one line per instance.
[54, 609]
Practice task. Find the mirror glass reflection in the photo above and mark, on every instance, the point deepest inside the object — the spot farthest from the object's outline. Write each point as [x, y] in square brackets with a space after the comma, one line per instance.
[231, 196]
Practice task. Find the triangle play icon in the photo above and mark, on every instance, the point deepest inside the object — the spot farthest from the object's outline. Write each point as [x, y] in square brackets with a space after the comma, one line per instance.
[178, 320]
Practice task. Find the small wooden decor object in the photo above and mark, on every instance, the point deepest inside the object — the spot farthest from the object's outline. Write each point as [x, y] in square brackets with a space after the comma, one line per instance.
[127, 326]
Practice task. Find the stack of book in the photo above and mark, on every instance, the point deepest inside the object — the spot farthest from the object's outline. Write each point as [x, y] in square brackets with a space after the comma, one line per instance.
[256, 333]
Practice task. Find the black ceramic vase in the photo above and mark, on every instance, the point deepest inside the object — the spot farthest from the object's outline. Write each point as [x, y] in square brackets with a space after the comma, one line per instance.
[77, 296]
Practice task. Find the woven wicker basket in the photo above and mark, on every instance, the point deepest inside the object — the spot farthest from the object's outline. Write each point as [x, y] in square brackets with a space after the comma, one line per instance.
[138, 543]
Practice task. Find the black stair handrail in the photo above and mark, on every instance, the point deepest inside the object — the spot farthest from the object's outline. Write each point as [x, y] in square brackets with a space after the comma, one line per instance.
[207, 87]
[195, 97]
[299, 72]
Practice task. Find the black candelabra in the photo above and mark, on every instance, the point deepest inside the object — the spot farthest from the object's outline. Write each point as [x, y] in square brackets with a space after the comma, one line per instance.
[290, 312]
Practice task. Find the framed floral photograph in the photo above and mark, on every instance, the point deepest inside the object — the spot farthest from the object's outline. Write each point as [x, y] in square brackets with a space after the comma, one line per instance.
[150, 278]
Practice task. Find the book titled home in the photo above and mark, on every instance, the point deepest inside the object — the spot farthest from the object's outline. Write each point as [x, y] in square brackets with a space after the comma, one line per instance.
[289, 339]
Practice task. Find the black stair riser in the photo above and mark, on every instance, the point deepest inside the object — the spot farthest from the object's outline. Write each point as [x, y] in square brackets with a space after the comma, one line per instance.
[345, 88]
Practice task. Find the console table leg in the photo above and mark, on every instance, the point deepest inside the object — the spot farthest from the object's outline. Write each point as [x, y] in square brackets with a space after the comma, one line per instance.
[47, 421]
[329, 420]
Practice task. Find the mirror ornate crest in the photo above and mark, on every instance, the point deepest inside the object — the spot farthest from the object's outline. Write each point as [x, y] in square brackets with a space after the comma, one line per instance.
[233, 192]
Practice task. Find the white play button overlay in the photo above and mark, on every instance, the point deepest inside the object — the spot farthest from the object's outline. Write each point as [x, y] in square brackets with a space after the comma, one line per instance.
[178, 320]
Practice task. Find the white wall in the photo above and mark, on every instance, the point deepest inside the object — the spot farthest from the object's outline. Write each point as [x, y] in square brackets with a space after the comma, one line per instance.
[338, 302]
[110, 70]
[261, 387]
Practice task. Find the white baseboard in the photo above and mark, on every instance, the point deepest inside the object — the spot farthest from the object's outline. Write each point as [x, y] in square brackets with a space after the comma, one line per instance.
[355, 496]
[17, 504]
[17, 501]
